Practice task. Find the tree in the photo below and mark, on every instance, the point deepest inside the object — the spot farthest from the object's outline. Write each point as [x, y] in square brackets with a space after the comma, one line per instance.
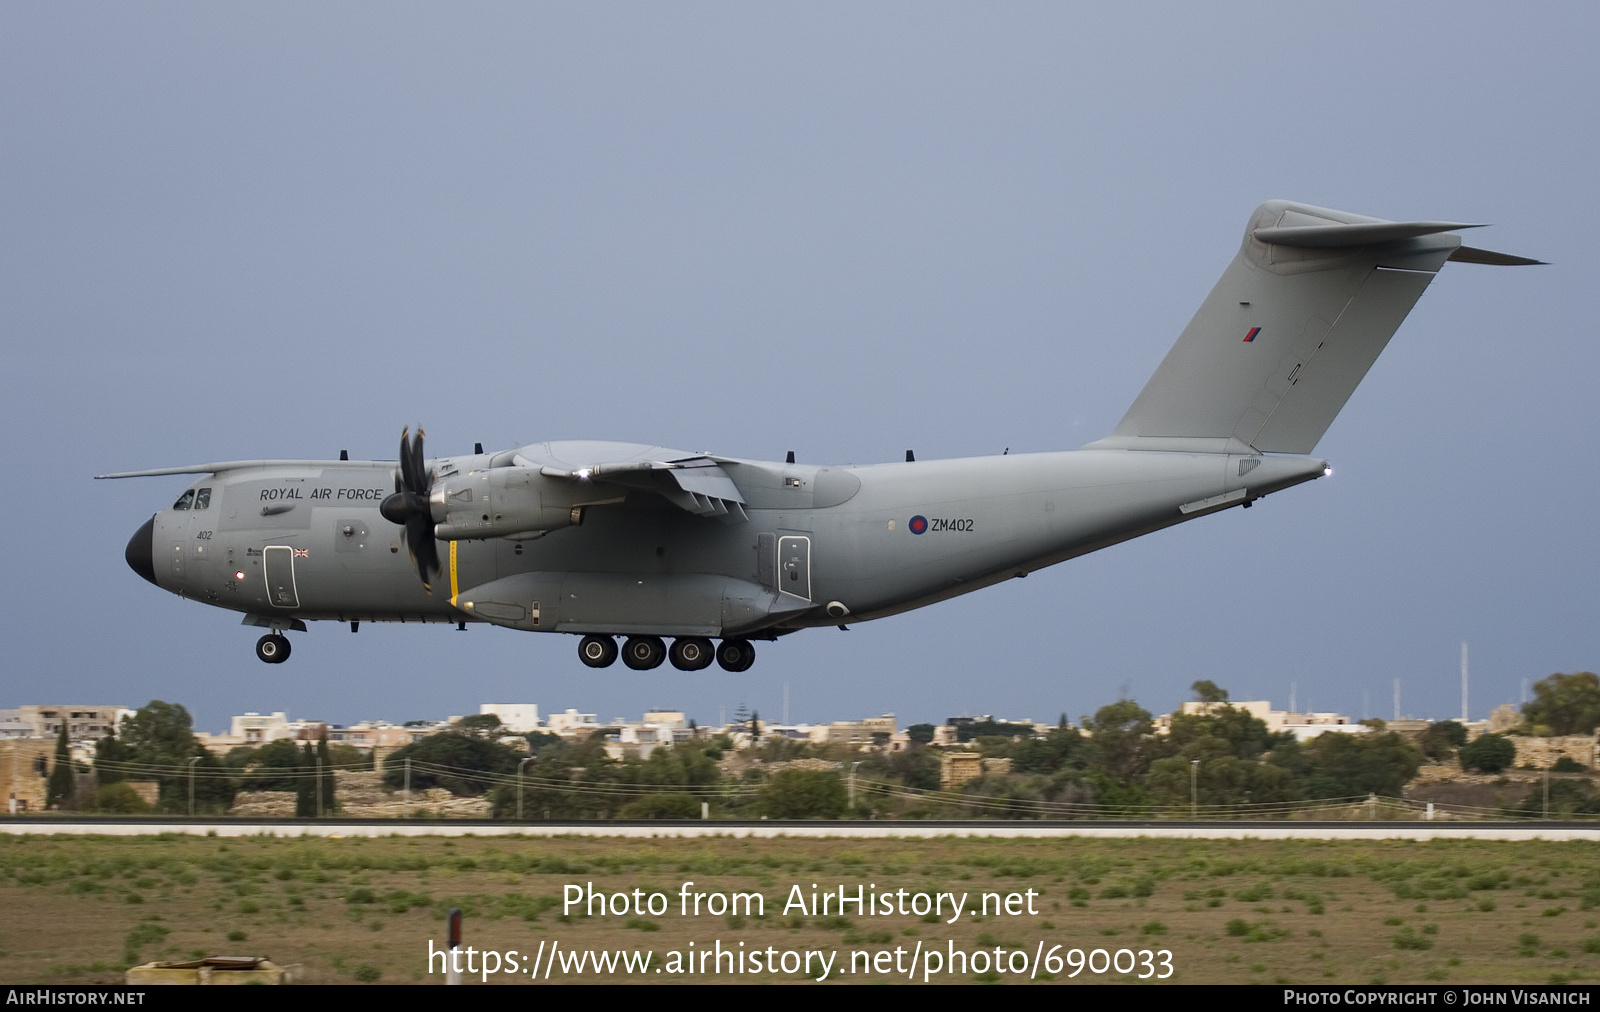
[1223, 780]
[110, 756]
[1567, 798]
[538, 740]
[160, 737]
[1564, 704]
[804, 794]
[669, 805]
[1207, 691]
[1488, 753]
[305, 784]
[481, 725]
[58, 793]
[325, 778]
[1221, 730]
[1340, 765]
[1063, 748]
[160, 734]
[920, 733]
[1441, 739]
[992, 729]
[1120, 740]
[118, 799]
[463, 764]
[276, 767]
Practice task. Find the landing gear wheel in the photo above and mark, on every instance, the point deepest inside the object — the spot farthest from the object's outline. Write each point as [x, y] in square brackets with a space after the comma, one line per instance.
[736, 655]
[272, 648]
[691, 653]
[641, 653]
[597, 651]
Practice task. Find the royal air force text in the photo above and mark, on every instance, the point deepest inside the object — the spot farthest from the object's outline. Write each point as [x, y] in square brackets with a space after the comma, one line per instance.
[330, 494]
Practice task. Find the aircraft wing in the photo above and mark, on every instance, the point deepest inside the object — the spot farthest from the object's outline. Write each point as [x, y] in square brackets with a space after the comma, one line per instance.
[696, 484]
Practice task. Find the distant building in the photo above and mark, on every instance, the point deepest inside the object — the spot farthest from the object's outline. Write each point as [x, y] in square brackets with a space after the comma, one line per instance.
[377, 734]
[254, 729]
[518, 718]
[82, 721]
[956, 768]
[1543, 753]
[572, 724]
[861, 732]
[1304, 725]
[1503, 718]
[25, 772]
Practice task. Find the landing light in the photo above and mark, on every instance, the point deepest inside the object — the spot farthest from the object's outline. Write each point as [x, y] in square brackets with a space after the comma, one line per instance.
[238, 576]
[582, 473]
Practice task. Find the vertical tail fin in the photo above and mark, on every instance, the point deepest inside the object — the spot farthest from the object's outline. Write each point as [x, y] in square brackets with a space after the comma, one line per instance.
[1295, 322]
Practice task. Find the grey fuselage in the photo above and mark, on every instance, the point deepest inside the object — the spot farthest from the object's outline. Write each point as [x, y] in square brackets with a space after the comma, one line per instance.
[287, 541]
[625, 539]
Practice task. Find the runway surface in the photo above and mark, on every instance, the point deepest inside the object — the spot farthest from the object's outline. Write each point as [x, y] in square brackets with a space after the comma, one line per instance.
[646, 829]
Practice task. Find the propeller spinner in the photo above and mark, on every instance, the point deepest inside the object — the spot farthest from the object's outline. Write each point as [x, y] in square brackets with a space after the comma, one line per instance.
[408, 507]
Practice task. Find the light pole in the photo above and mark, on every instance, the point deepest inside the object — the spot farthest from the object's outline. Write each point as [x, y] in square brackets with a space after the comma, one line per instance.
[520, 766]
[318, 761]
[191, 785]
[408, 788]
[853, 783]
[1194, 788]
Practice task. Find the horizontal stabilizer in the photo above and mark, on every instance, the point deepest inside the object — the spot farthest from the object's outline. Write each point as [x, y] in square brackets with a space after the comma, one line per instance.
[1471, 255]
[1362, 233]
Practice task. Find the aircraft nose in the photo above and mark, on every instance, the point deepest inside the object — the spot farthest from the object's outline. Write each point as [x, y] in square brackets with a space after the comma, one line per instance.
[141, 553]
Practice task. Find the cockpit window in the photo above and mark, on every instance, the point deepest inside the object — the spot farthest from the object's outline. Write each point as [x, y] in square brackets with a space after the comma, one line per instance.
[184, 501]
[202, 499]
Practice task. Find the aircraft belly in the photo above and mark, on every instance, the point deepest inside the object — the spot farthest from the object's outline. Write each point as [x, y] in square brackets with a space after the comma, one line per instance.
[681, 604]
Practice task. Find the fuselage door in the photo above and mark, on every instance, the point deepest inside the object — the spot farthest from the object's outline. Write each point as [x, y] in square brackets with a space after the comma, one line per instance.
[277, 562]
[794, 566]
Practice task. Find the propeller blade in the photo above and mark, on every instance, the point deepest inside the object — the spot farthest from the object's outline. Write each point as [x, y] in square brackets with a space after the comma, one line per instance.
[407, 474]
[408, 506]
[424, 551]
[420, 482]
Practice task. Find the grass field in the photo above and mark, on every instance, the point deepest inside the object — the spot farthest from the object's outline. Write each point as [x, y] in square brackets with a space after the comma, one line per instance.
[362, 910]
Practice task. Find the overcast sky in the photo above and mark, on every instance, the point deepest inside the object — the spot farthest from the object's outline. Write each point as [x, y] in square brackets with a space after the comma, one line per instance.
[281, 230]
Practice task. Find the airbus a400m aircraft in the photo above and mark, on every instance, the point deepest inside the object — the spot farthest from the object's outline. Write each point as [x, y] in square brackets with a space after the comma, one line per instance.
[608, 540]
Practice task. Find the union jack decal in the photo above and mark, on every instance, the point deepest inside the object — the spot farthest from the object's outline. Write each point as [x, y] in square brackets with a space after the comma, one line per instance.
[300, 553]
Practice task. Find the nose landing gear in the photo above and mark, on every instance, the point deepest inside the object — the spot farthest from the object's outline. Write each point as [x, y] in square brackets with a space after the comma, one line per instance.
[273, 648]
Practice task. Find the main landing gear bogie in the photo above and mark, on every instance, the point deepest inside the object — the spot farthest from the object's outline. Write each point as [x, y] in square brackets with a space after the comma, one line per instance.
[691, 653]
[273, 648]
[687, 653]
[598, 651]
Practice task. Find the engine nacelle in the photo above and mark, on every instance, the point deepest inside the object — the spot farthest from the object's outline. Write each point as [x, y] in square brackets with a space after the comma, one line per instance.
[504, 502]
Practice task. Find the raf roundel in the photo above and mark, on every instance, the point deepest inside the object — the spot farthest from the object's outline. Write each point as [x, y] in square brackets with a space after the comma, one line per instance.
[918, 524]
